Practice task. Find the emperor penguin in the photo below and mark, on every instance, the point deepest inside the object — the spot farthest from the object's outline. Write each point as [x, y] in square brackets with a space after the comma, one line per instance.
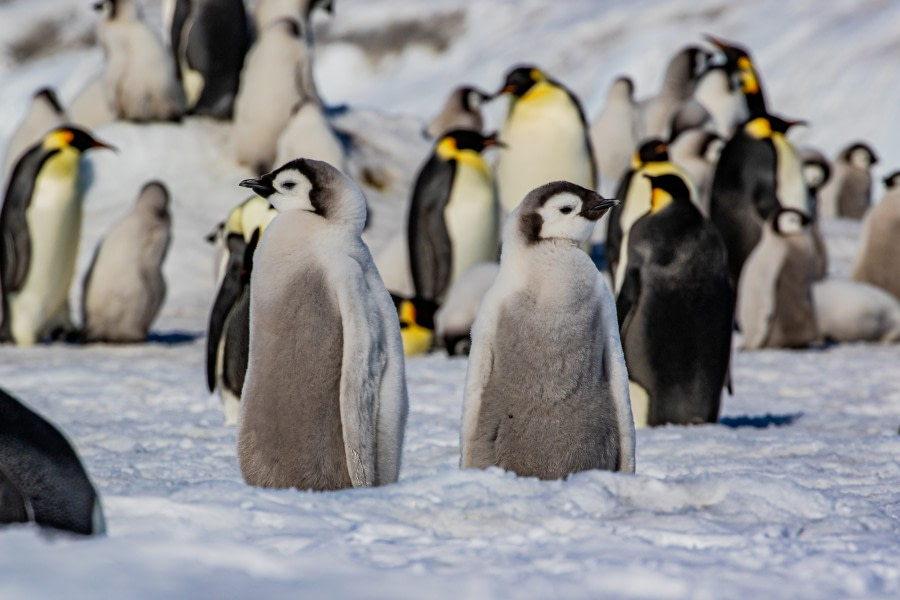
[851, 311]
[816, 173]
[44, 113]
[879, 250]
[848, 193]
[227, 340]
[732, 92]
[462, 110]
[697, 151]
[614, 134]
[416, 338]
[208, 39]
[40, 224]
[309, 135]
[139, 82]
[453, 217]
[269, 11]
[270, 88]
[124, 287]
[676, 310]
[759, 171]
[546, 389]
[453, 321]
[324, 402]
[546, 137]
[42, 476]
[655, 114]
[775, 306]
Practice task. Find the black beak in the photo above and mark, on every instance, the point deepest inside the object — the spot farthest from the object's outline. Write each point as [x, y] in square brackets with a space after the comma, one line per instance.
[260, 187]
[594, 208]
[492, 140]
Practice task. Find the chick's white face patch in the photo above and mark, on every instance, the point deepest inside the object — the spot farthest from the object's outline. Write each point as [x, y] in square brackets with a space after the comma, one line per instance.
[561, 219]
[292, 189]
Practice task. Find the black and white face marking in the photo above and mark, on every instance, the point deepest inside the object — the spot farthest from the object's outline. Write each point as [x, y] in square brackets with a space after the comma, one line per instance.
[892, 180]
[814, 175]
[561, 211]
[789, 221]
[861, 156]
[474, 98]
[301, 184]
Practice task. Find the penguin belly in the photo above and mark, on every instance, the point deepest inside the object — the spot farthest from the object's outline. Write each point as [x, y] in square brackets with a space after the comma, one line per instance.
[790, 186]
[54, 225]
[472, 218]
[546, 142]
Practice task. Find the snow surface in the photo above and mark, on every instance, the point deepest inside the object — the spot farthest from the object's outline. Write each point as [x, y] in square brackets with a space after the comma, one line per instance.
[793, 494]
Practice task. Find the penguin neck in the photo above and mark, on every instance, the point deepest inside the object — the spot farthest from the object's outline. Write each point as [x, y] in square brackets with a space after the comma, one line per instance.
[64, 164]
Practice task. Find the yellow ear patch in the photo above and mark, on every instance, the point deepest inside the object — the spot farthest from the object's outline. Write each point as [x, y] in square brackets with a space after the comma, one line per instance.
[58, 139]
[759, 128]
[749, 82]
[536, 75]
[659, 199]
[448, 150]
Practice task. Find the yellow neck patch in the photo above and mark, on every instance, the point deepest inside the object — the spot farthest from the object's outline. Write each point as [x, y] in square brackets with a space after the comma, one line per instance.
[416, 339]
[749, 81]
[659, 199]
[58, 139]
[759, 128]
[447, 150]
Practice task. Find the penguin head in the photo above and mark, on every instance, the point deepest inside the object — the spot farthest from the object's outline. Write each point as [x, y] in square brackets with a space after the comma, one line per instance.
[892, 181]
[738, 61]
[665, 189]
[72, 137]
[154, 200]
[782, 125]
[521, 79]
[116, 9]
[789, 221]
[465, 145]
[313, 186]
[816, 170]
[653, 150]
[472, 98]
[559, 211]
[622, 89]
[860, 155]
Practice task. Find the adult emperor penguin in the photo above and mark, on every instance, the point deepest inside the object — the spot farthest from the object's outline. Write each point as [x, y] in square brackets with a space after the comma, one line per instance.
[759, 171]
[209, 39]
[40, 224]
[309, 135]
[614, 133]
[655, 114]
[676, 310]
[775, 306]
[731, 92]
[270, 89]
[44, 113]
[546, 137]
[124, 287]
[453, 321]
[546, 390]
[140, 82]
[40, 472]
[848, 193]
[462, 110]
[452, 218]
[879, 248]
[324, 402]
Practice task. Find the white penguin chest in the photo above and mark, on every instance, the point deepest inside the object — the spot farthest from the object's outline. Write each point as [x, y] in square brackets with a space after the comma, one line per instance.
[471, 217]
[791, 188]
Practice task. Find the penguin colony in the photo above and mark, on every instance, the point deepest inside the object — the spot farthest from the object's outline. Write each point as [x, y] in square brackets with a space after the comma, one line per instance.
[714, 228]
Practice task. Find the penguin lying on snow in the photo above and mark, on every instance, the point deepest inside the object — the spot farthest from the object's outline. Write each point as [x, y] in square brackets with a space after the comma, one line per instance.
[324, 401]
[879, 249]
[850, 311]
[41, 478]
[124, 287]
[546, 389]
[40, 225]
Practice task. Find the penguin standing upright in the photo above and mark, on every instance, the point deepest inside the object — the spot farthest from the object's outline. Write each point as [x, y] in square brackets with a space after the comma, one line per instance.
[655, 114]
[209, 39]
[324, 402]
[124, 287]
[675, 310]
[462, 110]
[816, 173]
[452, 218]
[879, 250]
[546, 137]
[309, 135]
[40, 224]
[42, 476]
[731, 92]
[270, 88]
[848, 193]
[546, 389]
[453, 322]
[140, 82]
[44, 113]
[614, 131]
[775, 307]
[697, 151]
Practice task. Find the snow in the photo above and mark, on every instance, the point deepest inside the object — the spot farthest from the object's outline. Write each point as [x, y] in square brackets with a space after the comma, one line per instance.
[793, 494]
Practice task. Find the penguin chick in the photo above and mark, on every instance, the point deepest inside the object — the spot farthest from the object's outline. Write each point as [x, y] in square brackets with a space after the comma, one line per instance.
[816, 172]
[324, 402]
[269, 11]
[546, 389]
[41, 474]
[697, 151]
[124, 288]
[140, 83]
[614, 131]
[40, 225]
[270, 88]
[416, 339]
[848, 192]
[850, 311]
[546, 137]
[44, 113]
[309, 135]
[655, 114]
[462, 110]
[675, 310]
[879, 249]
[775, 305]
[453, 321]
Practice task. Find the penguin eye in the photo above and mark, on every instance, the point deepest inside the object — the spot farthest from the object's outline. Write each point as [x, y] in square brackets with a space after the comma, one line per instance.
[288, 185]
[565, 210]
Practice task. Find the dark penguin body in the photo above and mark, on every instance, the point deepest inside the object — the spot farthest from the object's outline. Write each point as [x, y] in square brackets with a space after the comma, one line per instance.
[676, 309]
[209, 41]
[41, 477]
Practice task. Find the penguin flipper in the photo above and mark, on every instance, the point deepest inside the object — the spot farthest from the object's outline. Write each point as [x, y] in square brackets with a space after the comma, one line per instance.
[14, 506]
[228, 294]
[614, 228]
[430, 249]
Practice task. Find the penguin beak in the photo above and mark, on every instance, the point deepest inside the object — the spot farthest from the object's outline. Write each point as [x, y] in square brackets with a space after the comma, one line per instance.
[260, 187]
[507, 89]
[492, 140]
[100, 144]
[716, 42]
[594, 208]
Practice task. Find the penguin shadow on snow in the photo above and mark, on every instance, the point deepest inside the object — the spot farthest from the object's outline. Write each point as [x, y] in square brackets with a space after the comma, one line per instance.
[760, 421]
